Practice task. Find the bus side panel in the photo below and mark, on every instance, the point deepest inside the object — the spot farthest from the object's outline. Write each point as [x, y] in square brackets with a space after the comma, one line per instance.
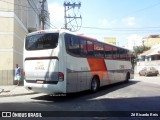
[78, 74]
[82, 81]
[72, 81]
[62, 61]
[118, 70]
[108, 78]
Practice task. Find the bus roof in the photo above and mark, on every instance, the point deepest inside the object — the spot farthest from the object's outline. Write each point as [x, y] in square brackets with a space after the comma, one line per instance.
[73, 33]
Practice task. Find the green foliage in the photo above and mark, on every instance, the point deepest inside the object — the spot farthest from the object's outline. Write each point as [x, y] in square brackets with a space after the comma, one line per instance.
[140, 49]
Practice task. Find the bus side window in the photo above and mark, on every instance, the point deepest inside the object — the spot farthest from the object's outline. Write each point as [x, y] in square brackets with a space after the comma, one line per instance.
[90, 48]
[83, 47]
[72, 44]
[98, 50]
[115, 53]
[122, 54]
[108, 51]
[127, 56]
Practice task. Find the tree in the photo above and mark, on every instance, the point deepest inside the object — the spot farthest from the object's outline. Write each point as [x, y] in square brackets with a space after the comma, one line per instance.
[140, 49]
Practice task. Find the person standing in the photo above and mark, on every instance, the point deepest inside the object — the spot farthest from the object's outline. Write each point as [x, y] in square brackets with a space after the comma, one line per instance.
[17, 74]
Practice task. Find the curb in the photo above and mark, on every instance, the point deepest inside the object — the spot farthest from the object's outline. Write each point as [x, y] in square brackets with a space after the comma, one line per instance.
[1, 90]
[20, 94]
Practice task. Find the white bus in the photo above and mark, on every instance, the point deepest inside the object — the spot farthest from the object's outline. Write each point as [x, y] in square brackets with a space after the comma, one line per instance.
[58, 61]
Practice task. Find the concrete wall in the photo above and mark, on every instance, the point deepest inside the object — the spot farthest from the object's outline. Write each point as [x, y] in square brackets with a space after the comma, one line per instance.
[6, 48]
[141, 65]
[152, 41]
[21, 9]
[17, 19]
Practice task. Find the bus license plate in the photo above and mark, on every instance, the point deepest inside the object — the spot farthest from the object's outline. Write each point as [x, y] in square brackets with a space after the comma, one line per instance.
[40, 81]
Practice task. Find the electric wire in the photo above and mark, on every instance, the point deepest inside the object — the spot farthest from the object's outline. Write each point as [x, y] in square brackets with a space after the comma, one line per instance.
[17, 4]
[32, 7]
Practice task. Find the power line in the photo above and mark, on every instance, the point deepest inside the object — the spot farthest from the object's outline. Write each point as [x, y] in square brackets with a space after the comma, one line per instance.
[11, 10]
[36, 10]
[124, 29]
[15, 4]
[69, 18]
[148, 7]
[140, 10]
[50, 24]
[43, 15]
[32, 7]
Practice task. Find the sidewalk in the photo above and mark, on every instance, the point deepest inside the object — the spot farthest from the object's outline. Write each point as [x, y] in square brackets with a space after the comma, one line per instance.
[14, 90]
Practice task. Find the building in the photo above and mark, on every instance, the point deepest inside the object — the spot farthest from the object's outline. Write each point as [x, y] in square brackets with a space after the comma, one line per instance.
[152, 40]
[111, 40]
[17, 18]
[149, 58]
[134, 41]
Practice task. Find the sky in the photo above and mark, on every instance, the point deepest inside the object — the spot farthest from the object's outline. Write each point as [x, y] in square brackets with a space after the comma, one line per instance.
[122, 19]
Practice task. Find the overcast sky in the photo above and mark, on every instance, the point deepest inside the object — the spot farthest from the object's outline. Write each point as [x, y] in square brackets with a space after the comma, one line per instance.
[112, 18]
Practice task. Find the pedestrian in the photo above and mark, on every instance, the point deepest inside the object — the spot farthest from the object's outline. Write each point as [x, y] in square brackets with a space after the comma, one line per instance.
[17, 74]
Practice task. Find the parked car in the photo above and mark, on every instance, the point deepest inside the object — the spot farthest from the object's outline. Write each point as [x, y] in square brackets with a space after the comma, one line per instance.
[148, 71]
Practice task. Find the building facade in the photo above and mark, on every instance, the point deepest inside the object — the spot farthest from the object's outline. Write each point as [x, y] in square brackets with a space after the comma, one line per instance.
[17, 18]
[152, 40]
[134, 41]
[111, 40]
[149, 58]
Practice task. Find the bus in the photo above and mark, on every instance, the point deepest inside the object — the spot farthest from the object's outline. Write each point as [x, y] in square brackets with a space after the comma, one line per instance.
[59, 61]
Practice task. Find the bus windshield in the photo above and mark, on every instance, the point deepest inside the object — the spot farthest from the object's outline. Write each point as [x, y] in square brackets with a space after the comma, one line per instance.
[42, 41]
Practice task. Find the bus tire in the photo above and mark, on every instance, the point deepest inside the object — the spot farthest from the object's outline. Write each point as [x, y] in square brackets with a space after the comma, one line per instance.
[94, 84]
[127, 77]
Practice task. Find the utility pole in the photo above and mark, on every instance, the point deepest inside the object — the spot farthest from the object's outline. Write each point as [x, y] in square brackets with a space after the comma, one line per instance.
[68, 6]
[43, 15]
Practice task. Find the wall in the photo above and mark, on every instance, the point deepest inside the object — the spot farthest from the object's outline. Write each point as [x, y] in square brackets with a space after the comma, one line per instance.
[111, 40]
[6, 48]
[17, 19]
[152, 41]
[141, 65]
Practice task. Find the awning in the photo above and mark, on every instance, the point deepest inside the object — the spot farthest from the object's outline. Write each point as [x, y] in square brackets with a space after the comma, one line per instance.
[154, 52]
[146, 53]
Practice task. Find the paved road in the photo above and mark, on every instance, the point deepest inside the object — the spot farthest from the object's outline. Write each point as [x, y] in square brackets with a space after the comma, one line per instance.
[149, 79]
[137, 95]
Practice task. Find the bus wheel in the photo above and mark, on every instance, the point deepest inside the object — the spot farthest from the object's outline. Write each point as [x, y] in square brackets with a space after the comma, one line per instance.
[127, 78]
[94, 84]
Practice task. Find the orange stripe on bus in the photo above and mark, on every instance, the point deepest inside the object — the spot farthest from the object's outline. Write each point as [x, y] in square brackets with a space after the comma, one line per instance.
[98, 67]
